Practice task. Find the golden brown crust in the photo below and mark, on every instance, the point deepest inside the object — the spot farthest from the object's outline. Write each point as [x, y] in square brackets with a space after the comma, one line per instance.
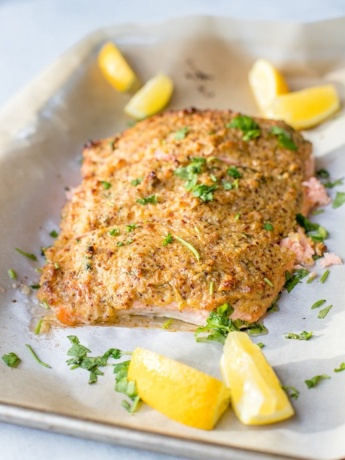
[100, 274]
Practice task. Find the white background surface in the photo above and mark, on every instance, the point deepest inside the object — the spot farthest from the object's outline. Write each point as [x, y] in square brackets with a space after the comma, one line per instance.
[32, 34]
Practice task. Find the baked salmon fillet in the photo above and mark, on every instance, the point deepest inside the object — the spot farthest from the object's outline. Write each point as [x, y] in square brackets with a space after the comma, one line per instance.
[176, 216]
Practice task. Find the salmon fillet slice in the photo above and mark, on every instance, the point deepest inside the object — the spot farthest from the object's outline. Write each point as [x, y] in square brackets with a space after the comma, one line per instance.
[175, 217]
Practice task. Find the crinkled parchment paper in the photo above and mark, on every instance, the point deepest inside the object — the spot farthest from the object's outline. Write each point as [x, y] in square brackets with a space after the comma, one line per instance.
[41, 136]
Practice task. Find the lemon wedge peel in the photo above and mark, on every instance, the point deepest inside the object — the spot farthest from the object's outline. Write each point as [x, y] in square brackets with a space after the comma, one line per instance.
[180, 392]
[256, 393]
[266, 83]
[116, 69]
[306, 108]
[151, 98]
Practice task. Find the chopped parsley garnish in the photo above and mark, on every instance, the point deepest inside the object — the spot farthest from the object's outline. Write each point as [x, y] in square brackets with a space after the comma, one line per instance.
[35, 286]
[321, 234]
[235, 183]
[106, 185]
[88, 267]
[255, 329]
[211, 288]
[131, 227]
[311, 278]
[267, 281]
[218, 325]
[340, 368]
[168, 239]
[274, 306]
[247, 125]
[12, 274]
[204, 192]
[120, 243]
[227, 185]
[292, 392]
[238, 215]
[181, 133]
[122, 385]
[78, 351]
[322, 174]
[324, 276]
[11, 359]
[148, 199]
[251, 134]
[306, 224]
[252, 329]
[339, 200]
[45, 304]
[302, 336]
[234, 172]
[38, 327]
[190, 171]
[334, 183]
[81, 359]
[167, 323]
[190, 174]
[54, 234]
[316, 212]
[137, 181]
[36, 358]
[315, 380]
[284, 137]
[318, 303]
[293, 279]
[268, 226]
[114, 232]
[323, 313]
[92, 364]
[313, 230]
[188, 246]
[260, 345]
[43, 250]
[26, 254]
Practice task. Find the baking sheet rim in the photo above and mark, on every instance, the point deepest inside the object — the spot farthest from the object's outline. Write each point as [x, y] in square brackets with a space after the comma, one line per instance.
[121, 436]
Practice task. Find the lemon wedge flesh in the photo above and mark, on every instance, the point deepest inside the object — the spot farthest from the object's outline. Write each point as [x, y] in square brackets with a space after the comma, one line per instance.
[115, 68]
[306, 108]
[178, 391]
[256, 394]
[266, 83]
[151, 98]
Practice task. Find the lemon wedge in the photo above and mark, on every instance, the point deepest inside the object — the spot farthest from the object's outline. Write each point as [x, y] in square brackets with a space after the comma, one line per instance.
[116, 69]
[266, 83]
[180, 392]
[306, 108]
[151, 98]
[256, 394]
